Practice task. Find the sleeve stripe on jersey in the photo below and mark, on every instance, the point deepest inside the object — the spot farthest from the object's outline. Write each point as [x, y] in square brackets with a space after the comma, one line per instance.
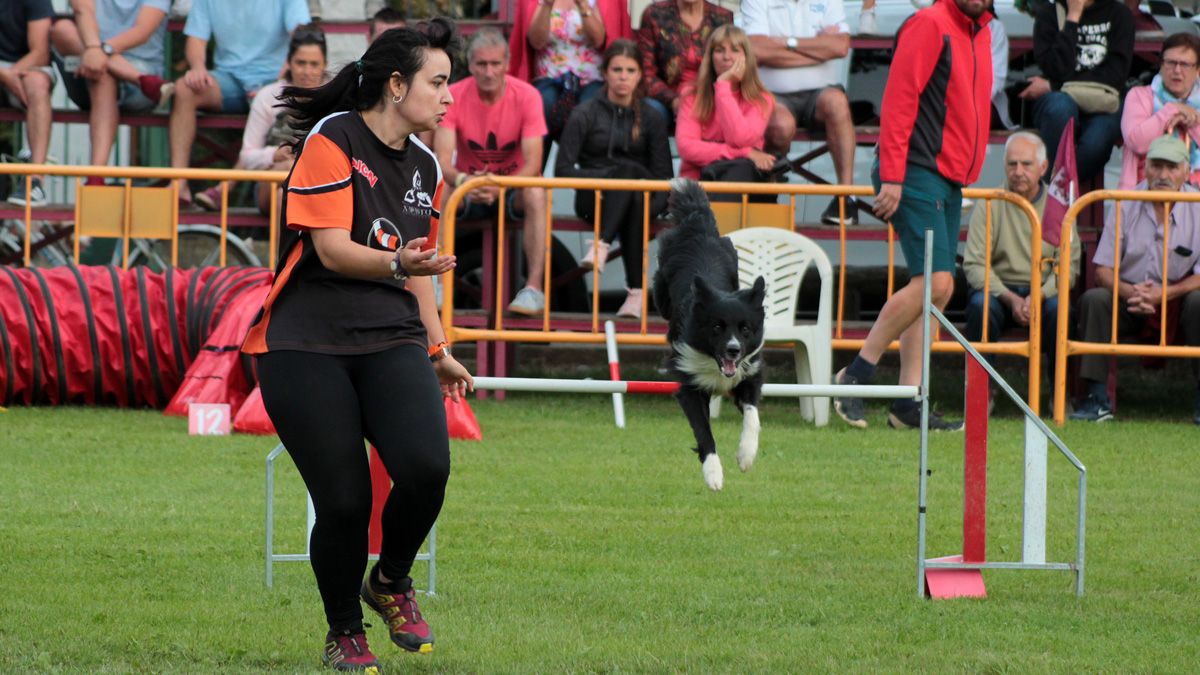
[321, 189]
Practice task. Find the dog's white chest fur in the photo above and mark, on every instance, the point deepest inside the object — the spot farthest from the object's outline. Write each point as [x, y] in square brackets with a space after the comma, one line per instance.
[706, 374]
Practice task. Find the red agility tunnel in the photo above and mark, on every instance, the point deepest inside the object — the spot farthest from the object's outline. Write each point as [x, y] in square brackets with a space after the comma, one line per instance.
[101, 335]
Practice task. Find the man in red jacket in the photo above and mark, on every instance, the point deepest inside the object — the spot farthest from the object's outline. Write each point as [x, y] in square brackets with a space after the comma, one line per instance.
[932, 139]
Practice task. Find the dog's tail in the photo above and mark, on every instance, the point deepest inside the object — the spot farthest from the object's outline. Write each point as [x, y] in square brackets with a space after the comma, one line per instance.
[690, 205]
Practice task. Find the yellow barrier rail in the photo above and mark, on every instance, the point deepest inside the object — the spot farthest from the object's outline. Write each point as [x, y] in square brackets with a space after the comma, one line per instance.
[131, 198]
[1029, 348]
[1067, 347]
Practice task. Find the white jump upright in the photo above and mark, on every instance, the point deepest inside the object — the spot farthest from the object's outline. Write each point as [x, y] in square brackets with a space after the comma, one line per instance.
[614, 371]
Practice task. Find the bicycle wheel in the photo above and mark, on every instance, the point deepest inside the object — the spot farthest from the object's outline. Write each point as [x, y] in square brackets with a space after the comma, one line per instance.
[44, 253]
[199, 246]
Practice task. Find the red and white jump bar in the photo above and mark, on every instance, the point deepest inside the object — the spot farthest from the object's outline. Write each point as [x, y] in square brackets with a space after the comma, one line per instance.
[565, 386]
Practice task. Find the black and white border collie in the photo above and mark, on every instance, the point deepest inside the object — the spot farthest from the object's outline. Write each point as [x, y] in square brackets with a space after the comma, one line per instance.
[715, 330]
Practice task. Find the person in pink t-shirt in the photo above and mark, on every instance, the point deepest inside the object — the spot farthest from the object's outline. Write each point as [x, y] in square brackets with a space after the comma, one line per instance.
[495, 127]
[723, 119]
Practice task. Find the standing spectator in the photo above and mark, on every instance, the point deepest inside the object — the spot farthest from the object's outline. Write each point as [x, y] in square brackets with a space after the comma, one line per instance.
[1169, 104]
[495, 127]
[557, 45]
[385, 19]
[797, 45]
[27, 78]
[617, 135]
[1140, 287]
[1081, 41]
[1011, 245]
[252, 44]
[349, 346]
[672, 35]
[120, 45]
[268, 137]
[932, 141]
[723, 117]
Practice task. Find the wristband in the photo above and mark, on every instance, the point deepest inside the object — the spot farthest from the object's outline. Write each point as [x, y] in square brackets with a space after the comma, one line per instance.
[398, 272]
[439, 351]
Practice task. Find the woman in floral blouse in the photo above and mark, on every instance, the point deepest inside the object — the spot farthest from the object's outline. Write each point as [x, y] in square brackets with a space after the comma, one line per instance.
[672, 36]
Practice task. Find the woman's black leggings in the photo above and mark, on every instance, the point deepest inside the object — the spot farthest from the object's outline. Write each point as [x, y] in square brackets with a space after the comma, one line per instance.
[621, 215]
[323, 407]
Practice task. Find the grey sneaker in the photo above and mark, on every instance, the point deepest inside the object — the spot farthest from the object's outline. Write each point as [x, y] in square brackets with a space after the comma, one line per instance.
[849, 408]
[1093, 409]
[912, 420]
[528, 302]
[37, 196]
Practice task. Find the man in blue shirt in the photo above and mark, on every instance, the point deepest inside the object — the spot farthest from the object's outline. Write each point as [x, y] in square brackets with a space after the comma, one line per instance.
[252, 40]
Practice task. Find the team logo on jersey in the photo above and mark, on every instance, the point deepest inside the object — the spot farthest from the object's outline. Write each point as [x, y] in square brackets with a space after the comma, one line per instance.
[384, 235]
[416, 195]
[364, 170]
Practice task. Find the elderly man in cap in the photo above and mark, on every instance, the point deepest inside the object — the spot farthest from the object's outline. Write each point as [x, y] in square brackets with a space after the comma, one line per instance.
[1140, 286]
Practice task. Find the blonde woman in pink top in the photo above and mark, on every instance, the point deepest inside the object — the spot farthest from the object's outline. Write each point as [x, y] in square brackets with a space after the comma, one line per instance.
[723, 119]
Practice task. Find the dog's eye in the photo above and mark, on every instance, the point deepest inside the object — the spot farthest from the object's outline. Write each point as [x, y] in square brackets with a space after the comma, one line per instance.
[718, 326]
[745, 329]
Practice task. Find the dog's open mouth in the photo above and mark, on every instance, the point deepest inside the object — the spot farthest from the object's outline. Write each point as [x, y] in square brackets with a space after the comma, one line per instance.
[728, 367]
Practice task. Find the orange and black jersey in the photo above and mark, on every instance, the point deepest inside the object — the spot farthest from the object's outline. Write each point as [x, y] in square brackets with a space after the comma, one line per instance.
[346, 177]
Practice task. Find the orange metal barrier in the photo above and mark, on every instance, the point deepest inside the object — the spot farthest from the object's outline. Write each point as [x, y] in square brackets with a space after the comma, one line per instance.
[547, 333]
[1068, 347]
[159, 204]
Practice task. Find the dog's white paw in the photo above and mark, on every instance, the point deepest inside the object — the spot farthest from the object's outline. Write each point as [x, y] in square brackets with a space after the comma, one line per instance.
[748, 446]
[714, 476]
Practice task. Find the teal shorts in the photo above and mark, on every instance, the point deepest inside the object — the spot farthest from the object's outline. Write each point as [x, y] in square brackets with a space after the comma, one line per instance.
[928, 202]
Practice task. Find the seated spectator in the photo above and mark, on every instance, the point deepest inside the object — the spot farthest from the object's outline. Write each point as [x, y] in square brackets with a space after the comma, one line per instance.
[120, 48]
[1080, 41]
[1012, 251]
[1169, 104]
[797, 45]
[27, 79]
[723, 117]
[672, 35]
[1140, 288]
[268, 136]
[252, 45]
[384, 20]
[617, 135]
[495, 127]
[557, 45]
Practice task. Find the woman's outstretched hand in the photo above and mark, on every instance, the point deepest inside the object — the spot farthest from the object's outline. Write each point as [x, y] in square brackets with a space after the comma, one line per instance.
[418, 263]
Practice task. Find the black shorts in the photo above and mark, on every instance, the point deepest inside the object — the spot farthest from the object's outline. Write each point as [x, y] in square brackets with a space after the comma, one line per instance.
[803, 104]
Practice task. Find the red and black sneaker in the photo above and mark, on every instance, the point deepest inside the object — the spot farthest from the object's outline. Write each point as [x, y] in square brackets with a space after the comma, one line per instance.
[409, 631]
[348, 650]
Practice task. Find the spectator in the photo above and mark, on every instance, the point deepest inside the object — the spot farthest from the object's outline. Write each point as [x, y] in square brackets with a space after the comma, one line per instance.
[252, 44]
[723, 117]
[797, 45]
[120, 48]
[558, 45]
[929, 147]
[495, 127]
[27, 78]
[1140, 287]
[867, 23]
[617, 135]
[385, 19]
[1083, 41]
[1000, 116]
[1012, 251]
[268, 137]
[1170, 103]
[672, 35]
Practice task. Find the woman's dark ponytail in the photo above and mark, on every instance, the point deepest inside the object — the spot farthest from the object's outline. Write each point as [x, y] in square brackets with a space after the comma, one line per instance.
[360, 85]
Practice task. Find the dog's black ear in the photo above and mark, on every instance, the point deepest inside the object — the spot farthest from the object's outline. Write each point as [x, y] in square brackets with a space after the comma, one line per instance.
[702, 293]
[757, 293]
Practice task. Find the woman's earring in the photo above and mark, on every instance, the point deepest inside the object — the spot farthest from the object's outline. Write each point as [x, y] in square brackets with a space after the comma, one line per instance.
[397, 99]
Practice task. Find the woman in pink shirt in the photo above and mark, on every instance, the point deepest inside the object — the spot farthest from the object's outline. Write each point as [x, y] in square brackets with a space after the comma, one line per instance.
[723, 119]
[1169, 104]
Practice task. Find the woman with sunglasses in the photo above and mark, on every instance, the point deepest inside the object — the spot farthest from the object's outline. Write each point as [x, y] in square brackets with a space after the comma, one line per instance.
[349, 345]
[1169, 104]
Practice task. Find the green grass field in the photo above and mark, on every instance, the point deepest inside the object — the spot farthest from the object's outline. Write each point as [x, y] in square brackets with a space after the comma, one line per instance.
[568, 546]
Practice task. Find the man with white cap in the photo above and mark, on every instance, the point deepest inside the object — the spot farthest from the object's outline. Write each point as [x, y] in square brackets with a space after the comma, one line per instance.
[1140, 287]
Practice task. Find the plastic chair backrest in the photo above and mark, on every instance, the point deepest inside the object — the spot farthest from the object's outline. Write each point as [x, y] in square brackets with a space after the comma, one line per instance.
[782, 257]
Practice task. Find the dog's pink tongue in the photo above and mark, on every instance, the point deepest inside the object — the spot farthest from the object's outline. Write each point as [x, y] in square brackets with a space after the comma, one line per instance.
[728, 367]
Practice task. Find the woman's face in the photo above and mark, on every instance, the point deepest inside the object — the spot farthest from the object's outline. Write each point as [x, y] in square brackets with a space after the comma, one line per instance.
[724, 55]
[428, 97]
[622, 77]
[307, 66]
[1178, 69]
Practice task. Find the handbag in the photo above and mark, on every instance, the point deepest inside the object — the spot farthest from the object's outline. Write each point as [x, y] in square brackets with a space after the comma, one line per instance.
[1093, 97]
[721, 170]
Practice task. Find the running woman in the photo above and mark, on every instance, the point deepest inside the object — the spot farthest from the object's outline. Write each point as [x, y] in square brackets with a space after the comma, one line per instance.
[348, 343]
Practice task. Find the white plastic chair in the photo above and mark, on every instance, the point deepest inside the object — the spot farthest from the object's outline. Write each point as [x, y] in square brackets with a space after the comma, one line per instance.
[782, 257]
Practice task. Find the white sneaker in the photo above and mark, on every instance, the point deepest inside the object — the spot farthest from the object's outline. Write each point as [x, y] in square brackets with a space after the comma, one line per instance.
[595, 255]
[528, 302]
[632, 307]
[867, 25]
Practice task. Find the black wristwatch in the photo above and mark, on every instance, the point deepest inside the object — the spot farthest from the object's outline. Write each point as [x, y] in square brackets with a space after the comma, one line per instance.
[107, 49]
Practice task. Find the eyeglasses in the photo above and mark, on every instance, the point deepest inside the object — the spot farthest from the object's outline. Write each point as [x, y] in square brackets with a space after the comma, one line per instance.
[1171, 64]
[308, 36]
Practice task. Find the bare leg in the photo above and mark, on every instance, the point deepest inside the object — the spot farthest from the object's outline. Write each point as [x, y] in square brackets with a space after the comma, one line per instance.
[781, 129]
[535, 235]
[833, 110]
[183, 123]
[37, 116]
[103, 117]
[899, 315]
